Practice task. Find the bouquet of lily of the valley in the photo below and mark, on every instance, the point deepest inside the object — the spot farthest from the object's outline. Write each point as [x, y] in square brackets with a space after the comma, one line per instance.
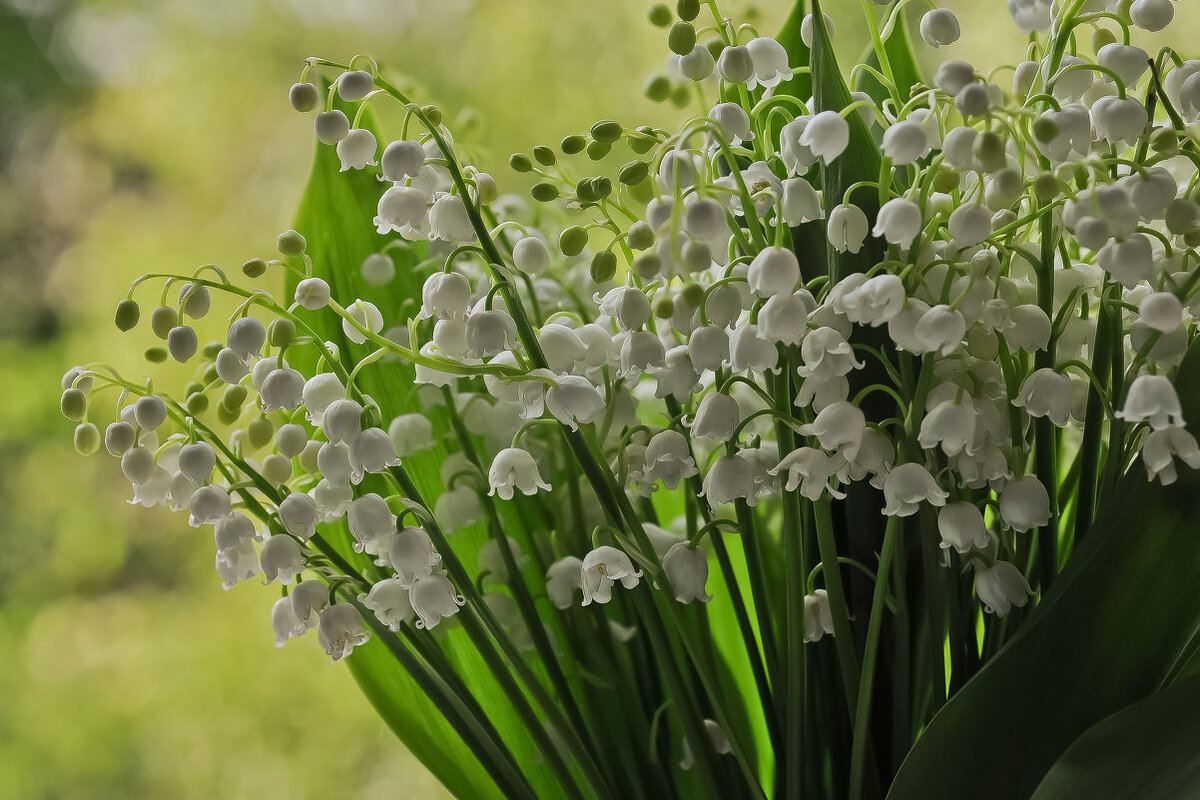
[833, 444]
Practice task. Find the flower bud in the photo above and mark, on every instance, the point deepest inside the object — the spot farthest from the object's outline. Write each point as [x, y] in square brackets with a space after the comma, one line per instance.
[367, 316]
[775, 270]
[127, 315]
[118, 437]
[531, 255]
[73, 404]
[331, 127]
[698, 64]
[303, 97]
[281, 559]
[182, 342]
[1025, 504]
[735, 64]
[939, 27]
[354, 85]
[86, 439]
[847, 228]
[686, 568]
[818, 618]
[162, 320]
[681, 38]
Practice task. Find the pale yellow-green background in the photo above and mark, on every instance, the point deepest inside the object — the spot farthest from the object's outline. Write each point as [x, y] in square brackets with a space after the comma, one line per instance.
[152, 135]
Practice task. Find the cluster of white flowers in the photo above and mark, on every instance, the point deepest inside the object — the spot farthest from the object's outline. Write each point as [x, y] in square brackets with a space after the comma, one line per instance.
[1031, 264]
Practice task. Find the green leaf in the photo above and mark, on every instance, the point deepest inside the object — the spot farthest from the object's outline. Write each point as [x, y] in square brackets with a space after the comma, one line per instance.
[859, 162]
[1149, 750]
[335, 216]
[1108, 633]
[800, 85]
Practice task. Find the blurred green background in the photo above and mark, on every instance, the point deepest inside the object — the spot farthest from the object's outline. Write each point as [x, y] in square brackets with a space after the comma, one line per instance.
[138, 135]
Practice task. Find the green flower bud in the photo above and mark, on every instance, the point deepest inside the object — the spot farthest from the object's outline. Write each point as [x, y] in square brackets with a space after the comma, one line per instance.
[1102, 37]
[87, 439]
[1045, 187]
[233, 397]
[228, 416]
[642, 144]
[544, 155]
[641, 237]
[598, 150]
[633, 172]
[210, 350]
[606, 130]
[664, 308]
[73, 404]
[1164, 140]
[692, 294]
[657, 88]
[259, 432]
[128, 314]
[585, 190]
[433, 113]
[162, 319]
[602, 186]
[1181, 216]
[648, 265]
[209, 376]
[290, 243]
[1044, 129]
[989, 151]
[303, 96]
[681, 38]
[519, 162]
[254, 268]
[688, 10]
[572, 240]
[155, 355]
[681, 96]
[281, 332]
[544, 192]
[573, 144]
[604, 266]
[196, 403]
[660, 15]
[946, 180]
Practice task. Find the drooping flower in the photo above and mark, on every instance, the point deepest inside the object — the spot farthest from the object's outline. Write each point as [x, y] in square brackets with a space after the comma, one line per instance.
[601, 568]
[514, 468]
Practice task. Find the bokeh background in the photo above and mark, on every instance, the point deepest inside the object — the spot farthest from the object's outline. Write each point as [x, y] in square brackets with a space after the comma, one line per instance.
[138, 135]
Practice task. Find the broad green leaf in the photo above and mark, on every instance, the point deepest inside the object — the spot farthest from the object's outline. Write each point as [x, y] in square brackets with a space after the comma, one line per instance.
[800, 85]
[335, 217]
[1149, 751]
[859, 162]
[1106, 635]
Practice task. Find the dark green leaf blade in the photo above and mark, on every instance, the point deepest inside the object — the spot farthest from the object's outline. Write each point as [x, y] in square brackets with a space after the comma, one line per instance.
[1149, 751]
[1106, 635]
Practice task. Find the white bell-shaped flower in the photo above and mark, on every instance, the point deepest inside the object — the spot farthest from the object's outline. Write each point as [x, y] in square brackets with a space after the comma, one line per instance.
[907, 486]
[818, 617]
[457, 508]
[1151, 15]
[531, 255]
[282, 390]
[238, 563]
[678, 378]
[333, 499]
[847, 228]
[801, 203]
[940, 330]
[875, 457]
[811, 470]
[402, 159]
[232, 530]
[357, 149]
[806, 29]
[563, 579]
[735, 64]
[208, 505]
[958, 148]
[826, 354]
[341, 630]
[716, 417]
[1025, 504]
[491, 561]
[733, 121]
[574, 401]
[698, 64]
[1130, 261]
[797, 158]
[686, 568]
[899, 222]
[939, 27]
[490, 332]
[370, 520]
[246, 336]
[827, 135]
[962, 527]
[708, 348]
[969, 225]
[371, 451]
[1047, 393]
[449, 220]
[627, 305]
[197, 460]
[1129, 62]
[118, 438]
[1162, 311]
[342, 420]
[770, 61]
[600, 569]
[444, 295]
[1152, 398]
[952, 75]
[875, 301]
[839, 427]
[150, 412]
[389, 601]
[668, 459]
[749, 351]
[904, 143]
[1000, 587]
[299, 515]
[731, 477]
[403, 209]
[434, 598]
[1162, 447]
[411, 553]
[514, 468]
[284, 621]
[411, 433]
[319, 392]
[1119, 119]
[775, 270]
[783, 319]
[281, 559]
[367, 315]
[309, 599]
[311, 294]
[951, 425]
